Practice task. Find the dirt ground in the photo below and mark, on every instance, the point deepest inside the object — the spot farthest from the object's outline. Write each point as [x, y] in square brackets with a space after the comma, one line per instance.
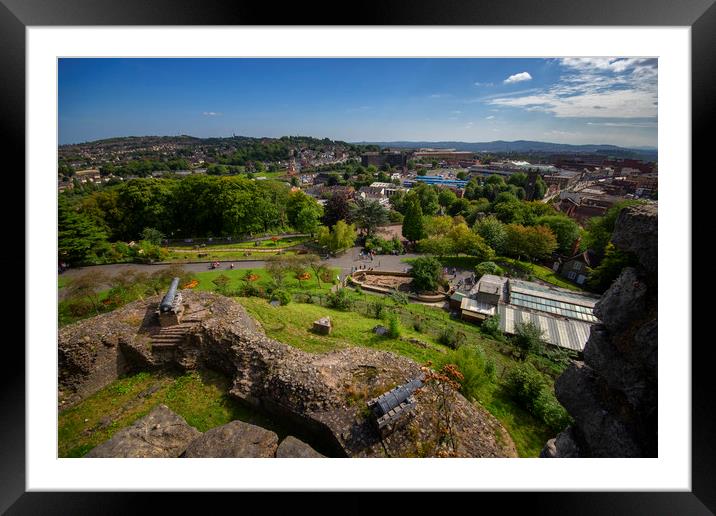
[390, 282]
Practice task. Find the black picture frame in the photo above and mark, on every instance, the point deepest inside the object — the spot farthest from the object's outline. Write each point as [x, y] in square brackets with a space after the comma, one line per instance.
[16, 15]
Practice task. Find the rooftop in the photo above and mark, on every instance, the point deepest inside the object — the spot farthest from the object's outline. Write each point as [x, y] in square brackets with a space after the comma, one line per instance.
[565, 333]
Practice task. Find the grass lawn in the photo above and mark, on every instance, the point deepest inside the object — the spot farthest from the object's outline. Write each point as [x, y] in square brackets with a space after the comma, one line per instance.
[291, 325]
[291, 283]
[199, 397]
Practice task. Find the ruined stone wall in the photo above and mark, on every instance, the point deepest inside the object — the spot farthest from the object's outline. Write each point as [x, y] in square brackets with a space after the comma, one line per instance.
[322, 394]
[612, 394]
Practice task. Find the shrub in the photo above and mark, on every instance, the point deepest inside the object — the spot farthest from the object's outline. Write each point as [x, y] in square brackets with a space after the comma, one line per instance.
[339, 299]
[222, 282]
[399, 298]
[393, 327]
[491, 327]
[377, 309]
[490, 368]
[488, 268]
[549, 410]
[471, 362]
[249, 290]
[528, 338]
[524, 383]
[450, 338]
[419, 324]
[281, 296]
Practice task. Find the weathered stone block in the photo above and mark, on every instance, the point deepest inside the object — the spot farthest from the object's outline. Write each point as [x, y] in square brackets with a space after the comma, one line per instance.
[161, 433]
[323, 326]
[235, 439]
[291, 447]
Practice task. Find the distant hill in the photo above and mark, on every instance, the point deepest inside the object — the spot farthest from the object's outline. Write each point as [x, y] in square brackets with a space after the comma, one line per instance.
[525, 146]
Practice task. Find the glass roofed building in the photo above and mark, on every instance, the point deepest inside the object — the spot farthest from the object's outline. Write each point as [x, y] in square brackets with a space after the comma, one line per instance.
[565, 317]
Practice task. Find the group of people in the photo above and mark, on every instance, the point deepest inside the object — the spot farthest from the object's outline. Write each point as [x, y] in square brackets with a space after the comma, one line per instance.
[360, 268]
[367, 255]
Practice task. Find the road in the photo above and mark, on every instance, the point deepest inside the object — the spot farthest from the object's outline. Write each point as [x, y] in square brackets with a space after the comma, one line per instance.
[345, 262]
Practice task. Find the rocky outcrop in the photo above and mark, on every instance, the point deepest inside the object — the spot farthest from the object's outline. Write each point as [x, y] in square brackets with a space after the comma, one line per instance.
[235, 439]
[161, 433]
[294, 448]
[612, 394]
[323, 395]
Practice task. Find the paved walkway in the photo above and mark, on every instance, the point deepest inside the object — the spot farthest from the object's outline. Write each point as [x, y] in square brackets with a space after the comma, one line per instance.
[345, 262]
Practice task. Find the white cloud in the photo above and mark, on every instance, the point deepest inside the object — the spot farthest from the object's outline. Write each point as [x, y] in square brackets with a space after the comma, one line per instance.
[594, 88]
[491, 117]
[518, 77]
[484, 83]
[606, 64]
[211, 113]
[624, 124]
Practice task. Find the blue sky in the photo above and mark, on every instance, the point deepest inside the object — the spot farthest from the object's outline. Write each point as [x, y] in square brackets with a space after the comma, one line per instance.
[570, 100]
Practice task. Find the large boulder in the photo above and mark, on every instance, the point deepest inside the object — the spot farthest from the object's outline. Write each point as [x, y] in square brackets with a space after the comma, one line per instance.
[564, 446]
[161, 433]
[605, 433]
[636, 231]
[624, 302]
[291, 447]
[235, 439]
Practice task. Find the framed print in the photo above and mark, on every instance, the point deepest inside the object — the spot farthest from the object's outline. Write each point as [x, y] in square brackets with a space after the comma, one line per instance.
[428, 240]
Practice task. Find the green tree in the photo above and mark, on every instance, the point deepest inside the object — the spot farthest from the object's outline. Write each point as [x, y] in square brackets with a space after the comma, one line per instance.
[298, 201]
[426, 272]
[428, 198]
[438, 246]
[611, 266]
[565, 229]
[307, 220]
[154, 236]
[437, 225]
[446, 197]
[461, 207]
[469, 242]
[80, 239]
[493, 231]
[528, 339]
[413, 228]
[368, 215]
[341, 236]
[487, 268]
